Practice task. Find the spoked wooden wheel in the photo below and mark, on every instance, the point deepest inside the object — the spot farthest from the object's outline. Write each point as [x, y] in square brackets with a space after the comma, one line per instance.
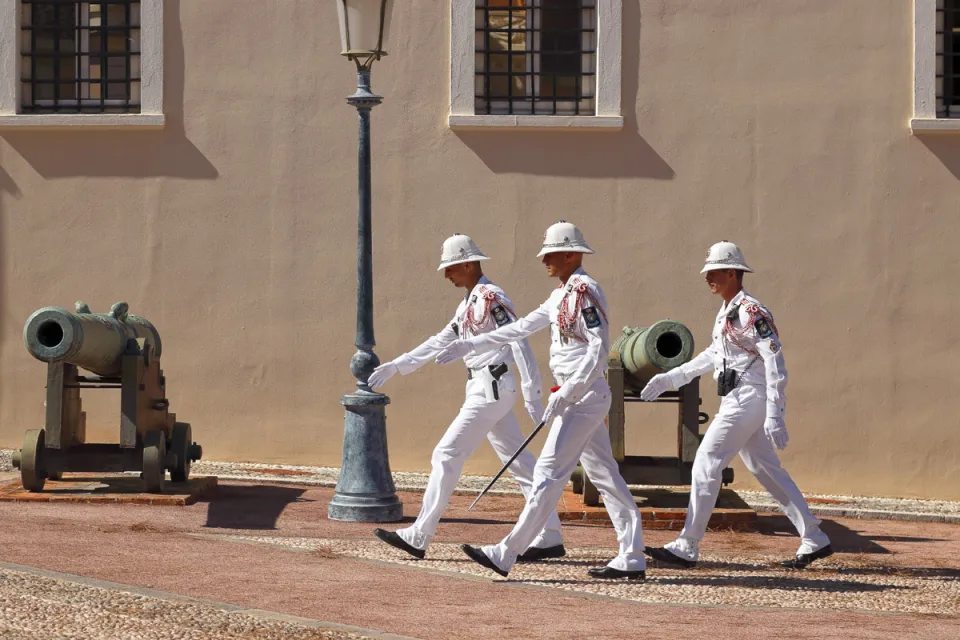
[154, 461]
[32, 473]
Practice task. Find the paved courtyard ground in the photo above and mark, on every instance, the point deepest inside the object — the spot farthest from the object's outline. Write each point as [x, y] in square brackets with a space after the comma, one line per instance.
[262, 560]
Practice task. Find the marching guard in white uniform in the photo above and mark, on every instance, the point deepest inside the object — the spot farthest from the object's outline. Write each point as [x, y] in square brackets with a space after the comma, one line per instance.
[487, 410]
[576, 313]
[746, 358]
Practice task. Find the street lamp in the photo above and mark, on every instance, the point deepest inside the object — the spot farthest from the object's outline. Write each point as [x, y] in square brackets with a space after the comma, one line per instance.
[365, 490]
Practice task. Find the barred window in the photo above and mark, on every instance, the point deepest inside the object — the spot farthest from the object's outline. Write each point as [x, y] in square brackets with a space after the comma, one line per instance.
[80, 57]
[948, 59]
[536, 57]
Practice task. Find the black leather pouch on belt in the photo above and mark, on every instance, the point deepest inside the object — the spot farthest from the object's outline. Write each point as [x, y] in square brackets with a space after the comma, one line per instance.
[726, 382]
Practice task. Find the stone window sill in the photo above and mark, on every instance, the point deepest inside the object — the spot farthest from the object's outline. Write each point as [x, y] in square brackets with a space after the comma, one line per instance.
[935, 125]
[82, 120]
[535, 122]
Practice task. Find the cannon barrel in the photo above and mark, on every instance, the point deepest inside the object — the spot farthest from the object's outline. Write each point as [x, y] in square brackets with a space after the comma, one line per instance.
[647, 351]
[92, 341]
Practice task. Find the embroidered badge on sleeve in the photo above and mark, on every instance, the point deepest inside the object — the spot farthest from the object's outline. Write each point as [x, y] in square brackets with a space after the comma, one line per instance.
[591, 317]
[500, 316]
[763, 327]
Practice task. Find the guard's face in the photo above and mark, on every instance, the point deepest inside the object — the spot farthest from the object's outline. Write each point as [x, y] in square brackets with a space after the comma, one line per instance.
[457, 274]
[721, 281]
[556, 263]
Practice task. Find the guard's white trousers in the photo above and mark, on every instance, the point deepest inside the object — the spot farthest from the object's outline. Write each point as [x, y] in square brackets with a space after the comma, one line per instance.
[738, 428]
[478, 418]
[579, 434]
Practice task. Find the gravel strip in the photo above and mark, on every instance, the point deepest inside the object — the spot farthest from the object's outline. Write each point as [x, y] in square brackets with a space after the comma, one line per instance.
[34, 607]
[835, 506]
[841, 582]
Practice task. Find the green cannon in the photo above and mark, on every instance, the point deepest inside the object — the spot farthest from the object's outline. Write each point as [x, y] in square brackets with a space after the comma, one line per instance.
[645, 352]
[637, 355]
[123, 352]
[91, 341]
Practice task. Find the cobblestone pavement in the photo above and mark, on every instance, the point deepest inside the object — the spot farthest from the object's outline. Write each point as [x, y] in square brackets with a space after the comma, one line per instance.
[837, 506]
[730, 579]
[41, 607]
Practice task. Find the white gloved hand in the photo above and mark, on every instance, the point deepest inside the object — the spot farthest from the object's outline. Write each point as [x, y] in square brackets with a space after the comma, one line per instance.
[556, 405]
[656, 387]
[382, 373]
[776, 430]
[534, 410]
[454, 351]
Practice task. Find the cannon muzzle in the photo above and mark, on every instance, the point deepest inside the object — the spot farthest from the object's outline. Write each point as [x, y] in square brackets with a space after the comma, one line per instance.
[91, 341]
[647, 351]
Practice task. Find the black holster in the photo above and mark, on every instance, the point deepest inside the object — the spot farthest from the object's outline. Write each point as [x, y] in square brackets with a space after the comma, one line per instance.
[727, 382]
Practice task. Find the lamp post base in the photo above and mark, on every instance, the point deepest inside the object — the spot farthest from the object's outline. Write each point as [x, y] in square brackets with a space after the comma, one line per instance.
[365, 490]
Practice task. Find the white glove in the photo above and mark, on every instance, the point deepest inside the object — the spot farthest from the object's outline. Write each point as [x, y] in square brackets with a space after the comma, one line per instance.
[776, 430]
[656, 387]
[382, 373]
[535, 410]
[556, 405]
[454, 351]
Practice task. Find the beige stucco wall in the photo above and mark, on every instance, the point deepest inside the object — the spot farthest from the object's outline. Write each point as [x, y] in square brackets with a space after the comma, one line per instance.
[781, 126]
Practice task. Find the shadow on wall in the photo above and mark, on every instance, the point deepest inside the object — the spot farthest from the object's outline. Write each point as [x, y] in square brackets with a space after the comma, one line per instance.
[139, 154]
[947, 149]
[595, 154]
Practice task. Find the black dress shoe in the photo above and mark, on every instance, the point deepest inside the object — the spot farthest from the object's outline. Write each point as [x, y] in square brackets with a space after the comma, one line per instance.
[609, 573]
[394, 540]
[533, 553]
[481, 558]
[664, 555]
[803, 560]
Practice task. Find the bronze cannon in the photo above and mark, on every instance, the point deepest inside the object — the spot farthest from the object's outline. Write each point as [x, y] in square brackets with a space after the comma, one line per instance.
[123, 352]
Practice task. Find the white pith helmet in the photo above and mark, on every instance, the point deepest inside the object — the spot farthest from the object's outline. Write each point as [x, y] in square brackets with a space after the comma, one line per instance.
[561, 237]
[725, 255]
[458, 249]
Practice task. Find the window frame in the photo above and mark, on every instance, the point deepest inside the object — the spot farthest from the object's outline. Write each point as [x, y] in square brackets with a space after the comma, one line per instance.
[924, 118]
[151, 73]
[607, 116]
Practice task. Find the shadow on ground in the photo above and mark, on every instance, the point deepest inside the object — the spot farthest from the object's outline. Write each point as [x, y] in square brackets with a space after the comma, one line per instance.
[842, 538]
[249, 507]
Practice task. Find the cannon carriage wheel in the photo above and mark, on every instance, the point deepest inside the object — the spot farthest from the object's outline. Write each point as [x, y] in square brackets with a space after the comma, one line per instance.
[154, 461]
[181, 440]
[32, 472]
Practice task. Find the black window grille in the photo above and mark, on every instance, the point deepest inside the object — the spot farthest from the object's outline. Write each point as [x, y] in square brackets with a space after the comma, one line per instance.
[536, 57]
[80, 57]
[948, 58]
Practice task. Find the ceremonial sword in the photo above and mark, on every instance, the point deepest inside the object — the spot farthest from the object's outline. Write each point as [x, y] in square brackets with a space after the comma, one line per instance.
[510, 461]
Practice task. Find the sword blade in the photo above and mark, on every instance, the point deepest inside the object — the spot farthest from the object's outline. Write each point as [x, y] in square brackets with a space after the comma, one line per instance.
[506, 466]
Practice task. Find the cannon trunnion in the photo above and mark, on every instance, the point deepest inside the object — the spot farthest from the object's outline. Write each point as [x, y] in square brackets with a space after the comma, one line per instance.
[635, 357]
[122, 351]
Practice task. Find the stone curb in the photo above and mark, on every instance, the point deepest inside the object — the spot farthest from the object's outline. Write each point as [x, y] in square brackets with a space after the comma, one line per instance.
[867, 514]
[223, 606]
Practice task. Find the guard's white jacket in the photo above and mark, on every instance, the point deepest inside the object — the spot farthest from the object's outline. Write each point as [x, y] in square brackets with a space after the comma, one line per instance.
[579, 334]
[482, 310]
[746, 337]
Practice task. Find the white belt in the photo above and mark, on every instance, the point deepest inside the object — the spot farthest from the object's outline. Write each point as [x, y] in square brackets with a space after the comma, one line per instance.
[471, 371]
